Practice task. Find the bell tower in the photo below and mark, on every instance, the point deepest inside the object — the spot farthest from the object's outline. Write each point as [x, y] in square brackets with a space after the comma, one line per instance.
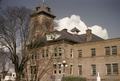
[41, 21]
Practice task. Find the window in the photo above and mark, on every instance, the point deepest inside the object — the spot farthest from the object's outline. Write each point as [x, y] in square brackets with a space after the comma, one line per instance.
[79, 53]
[55, 71]
[93, 52]
[71, 53]
[33, 70]
[115, 68]
[60, 49]
[47, 52]
[43, 54]
[60, 72]
[107, 50]
[34, 56]
[112, 68]
[114, 50]
[80, 69]
[108, 69]
[59, 66]
[111, 50]
[48, 9]
[55, 54]
[55, 66]
[93, 69]
[37, 8]
[60, 54]
[71, 69]
[55, 49]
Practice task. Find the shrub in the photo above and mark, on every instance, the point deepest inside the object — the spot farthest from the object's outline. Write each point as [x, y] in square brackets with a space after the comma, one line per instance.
[72, 78]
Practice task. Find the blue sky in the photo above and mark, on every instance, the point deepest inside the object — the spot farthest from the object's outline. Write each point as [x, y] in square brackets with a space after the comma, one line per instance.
[105, 13]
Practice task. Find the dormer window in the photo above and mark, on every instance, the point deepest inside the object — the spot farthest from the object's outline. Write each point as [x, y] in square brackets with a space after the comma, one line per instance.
[75, 30]
[52, 36]
[37, 8]
[48, 9]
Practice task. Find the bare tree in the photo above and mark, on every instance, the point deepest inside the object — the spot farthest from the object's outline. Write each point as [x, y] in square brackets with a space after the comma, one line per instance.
[14, 30]
[4, 61]
[14, 24]
[40, 66]
[5, 69]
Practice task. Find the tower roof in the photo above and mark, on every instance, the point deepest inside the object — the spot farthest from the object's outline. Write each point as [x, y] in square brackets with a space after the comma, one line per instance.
[44, 10]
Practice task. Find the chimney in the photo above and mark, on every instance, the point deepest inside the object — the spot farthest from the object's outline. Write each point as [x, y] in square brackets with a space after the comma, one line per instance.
[88, 35]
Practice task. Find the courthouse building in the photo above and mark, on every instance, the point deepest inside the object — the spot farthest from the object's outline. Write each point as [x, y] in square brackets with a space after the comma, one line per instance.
[55, 54]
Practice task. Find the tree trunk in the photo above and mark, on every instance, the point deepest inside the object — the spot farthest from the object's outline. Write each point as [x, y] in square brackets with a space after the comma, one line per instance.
[18, 77]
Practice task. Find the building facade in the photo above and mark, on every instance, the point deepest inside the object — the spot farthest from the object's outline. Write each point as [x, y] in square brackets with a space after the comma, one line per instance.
[55, 54]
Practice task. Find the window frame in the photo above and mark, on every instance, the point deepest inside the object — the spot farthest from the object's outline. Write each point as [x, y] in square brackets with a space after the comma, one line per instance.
[114, 69]
[79, 53]
[108, 69]
[93, 69]
[79, 69]
[71, 69]
[93, 52]
[114, 50]
[71, 53]
[107, 51]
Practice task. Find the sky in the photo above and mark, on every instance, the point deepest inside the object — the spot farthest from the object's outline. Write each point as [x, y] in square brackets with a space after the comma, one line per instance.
[102, 16]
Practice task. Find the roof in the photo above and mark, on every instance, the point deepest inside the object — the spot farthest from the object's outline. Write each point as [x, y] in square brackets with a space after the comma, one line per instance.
[43, 10]
[63, 36]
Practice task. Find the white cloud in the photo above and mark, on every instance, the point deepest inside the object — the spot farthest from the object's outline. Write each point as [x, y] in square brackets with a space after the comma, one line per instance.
[75, 21]
[99, 31]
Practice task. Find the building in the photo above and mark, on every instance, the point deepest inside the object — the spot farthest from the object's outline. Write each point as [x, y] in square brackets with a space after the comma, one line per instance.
[55, 54]
[9, 76]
